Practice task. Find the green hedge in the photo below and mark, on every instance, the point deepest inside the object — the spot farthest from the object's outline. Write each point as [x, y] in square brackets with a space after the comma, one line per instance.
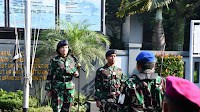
[172, 65]
[12, 101]
[10, 104]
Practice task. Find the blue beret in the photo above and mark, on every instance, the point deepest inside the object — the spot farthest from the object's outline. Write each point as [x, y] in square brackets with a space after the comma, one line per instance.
[109, 52]
[146, 56]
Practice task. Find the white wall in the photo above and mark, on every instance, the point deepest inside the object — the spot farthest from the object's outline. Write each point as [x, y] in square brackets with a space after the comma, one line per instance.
[122, 62]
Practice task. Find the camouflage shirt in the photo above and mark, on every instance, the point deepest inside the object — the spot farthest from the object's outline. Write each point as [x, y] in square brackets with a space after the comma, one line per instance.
[145, 92]
[61, 72]
[107, 83]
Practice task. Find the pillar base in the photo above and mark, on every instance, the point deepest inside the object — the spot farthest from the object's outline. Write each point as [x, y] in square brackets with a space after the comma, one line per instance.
[25, 109]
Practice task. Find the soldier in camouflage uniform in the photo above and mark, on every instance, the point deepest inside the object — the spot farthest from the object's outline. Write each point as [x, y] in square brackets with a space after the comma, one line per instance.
[60, 86]
[144, 91]
[107, 84]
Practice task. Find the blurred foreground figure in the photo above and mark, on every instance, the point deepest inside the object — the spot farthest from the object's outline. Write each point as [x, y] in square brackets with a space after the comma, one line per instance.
[181, 96]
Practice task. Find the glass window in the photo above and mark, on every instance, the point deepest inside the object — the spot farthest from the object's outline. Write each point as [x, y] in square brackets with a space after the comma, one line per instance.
[42, 13]
[80, 10]
[2, 14]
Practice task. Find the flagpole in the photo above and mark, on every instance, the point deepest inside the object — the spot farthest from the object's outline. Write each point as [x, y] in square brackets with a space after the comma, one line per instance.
[27, 54]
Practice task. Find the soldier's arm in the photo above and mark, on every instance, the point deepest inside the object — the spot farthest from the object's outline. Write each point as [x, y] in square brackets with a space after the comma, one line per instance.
[126, 99]
[75, 71]
[123, 77]
[50, 75]
[98, 84]
[123, 82]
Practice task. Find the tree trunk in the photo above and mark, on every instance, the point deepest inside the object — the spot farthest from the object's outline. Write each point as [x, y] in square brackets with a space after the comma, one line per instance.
[158, 39]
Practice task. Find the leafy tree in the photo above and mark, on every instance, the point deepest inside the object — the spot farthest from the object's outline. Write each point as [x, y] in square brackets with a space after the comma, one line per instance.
[87, 46]
[115, 24]
[182, 8]
[195, 15]
[129, 7]
[169, 22]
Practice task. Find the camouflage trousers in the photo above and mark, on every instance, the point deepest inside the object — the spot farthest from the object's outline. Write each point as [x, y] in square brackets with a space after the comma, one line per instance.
[111, 107]
[62, 100]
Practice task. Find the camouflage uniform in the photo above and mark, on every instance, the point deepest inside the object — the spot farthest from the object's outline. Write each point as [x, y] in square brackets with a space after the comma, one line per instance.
[60, 83]
[144, 92]
[107, 87]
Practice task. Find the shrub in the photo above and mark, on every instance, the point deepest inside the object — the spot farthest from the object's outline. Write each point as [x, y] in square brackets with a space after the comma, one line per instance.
[10, 104]
[195, 76]
[33, 102]
[40, 109]
[172, 65]
[11, 100]
[14, 100]
[82, 103]
[82, 108]
[82, 99]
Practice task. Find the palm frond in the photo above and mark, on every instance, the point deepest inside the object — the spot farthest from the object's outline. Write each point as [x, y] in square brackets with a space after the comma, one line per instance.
[129, 7]
[88, 46]
[158, 3]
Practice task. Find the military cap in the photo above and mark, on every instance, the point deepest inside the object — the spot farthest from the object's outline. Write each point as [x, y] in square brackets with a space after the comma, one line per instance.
[182, 89]
[60, 44]
[146, 56]
[109, 52]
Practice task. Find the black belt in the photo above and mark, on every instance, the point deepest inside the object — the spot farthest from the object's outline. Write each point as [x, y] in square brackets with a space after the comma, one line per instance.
[63, 79]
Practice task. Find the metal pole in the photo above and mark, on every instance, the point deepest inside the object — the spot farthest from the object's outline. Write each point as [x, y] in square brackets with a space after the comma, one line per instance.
[191, 51]
[27, 54]
[104, 17]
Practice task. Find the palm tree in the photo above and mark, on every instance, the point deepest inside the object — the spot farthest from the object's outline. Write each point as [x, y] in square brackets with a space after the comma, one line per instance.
[129, 7]
[87, 46]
